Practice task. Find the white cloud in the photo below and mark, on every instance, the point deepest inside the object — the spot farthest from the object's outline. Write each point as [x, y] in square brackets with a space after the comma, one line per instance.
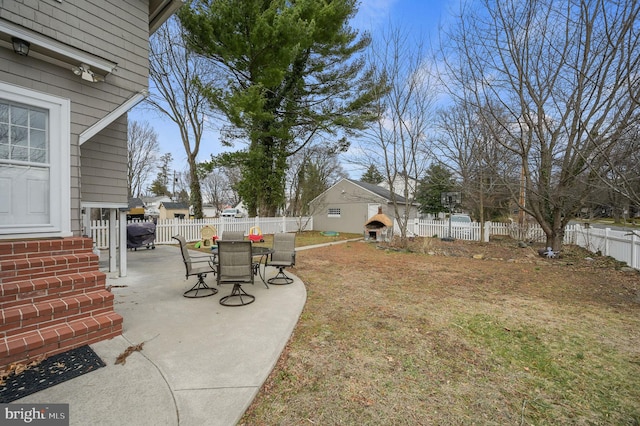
[373, 13]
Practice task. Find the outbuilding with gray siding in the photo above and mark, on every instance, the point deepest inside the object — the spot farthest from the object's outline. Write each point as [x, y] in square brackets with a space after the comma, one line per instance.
[347, 205]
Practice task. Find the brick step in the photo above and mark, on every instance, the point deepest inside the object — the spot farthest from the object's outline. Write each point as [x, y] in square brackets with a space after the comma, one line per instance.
[12, 250]
[48, 288]
[27, 346]
[33, 316]
[32, 268]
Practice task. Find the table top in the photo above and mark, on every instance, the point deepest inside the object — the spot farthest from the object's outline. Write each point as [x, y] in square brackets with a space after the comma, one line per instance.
[255, 250]
[261, 251]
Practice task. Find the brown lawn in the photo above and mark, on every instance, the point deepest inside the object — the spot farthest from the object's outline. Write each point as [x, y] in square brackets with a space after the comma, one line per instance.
[436, 336]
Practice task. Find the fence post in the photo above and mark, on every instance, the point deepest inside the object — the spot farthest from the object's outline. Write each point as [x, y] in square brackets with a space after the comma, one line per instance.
[633, 262]
[606, 241]
[487, 231]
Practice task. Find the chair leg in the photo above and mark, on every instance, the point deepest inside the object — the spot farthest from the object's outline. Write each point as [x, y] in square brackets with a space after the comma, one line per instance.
[281, 278]
[237, 294]
[200, 286]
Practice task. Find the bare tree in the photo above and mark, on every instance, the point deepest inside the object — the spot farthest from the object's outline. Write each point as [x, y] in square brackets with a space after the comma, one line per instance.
[566, 74]
[620, 174]
[397, 144]
[143, 149]
[310, 172]
[173, 71]
[217, 187]
[486, 171]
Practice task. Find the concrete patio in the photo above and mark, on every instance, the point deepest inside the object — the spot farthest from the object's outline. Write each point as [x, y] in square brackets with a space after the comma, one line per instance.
[201, 362]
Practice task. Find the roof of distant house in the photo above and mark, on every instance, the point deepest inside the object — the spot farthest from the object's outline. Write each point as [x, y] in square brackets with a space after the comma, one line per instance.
[174, 206]
[135, 202]
[378, 190]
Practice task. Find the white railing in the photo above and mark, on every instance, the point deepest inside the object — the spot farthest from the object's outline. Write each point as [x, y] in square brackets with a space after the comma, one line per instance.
[190, 228]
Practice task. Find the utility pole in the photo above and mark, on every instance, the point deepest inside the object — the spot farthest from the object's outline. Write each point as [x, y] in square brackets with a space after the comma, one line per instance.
[173, 191]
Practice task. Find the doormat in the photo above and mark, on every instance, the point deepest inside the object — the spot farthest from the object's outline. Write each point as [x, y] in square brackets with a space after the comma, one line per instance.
[53, 370]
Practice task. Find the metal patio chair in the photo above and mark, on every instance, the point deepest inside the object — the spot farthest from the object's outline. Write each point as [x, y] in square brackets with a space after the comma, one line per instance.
[284, 255]
[232, 236]
[235, 267]
[199, 266]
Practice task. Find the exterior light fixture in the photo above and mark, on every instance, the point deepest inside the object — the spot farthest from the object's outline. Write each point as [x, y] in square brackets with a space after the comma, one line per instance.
[20, 46]
[84, 71]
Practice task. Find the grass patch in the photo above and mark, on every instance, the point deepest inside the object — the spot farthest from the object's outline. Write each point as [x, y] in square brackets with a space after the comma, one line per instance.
[394, 337]
[559, 376]
[304, 238]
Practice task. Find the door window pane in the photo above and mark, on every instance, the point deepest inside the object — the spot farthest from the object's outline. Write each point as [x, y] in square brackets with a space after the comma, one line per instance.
[23, 133]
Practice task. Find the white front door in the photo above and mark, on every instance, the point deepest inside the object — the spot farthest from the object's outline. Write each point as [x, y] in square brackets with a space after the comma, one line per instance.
[34, 163]
[24, 175]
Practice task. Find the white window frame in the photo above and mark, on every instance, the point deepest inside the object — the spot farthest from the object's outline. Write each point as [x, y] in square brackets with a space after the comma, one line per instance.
[59, 110]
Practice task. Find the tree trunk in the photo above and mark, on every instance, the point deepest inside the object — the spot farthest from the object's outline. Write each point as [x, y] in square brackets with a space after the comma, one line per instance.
[196, 193]
[555, 239]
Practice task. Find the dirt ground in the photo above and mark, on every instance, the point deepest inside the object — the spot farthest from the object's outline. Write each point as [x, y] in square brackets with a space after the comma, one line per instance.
[507, 250]
[510, 250]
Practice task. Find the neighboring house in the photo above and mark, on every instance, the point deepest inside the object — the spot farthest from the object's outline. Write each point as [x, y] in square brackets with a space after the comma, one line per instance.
[152, 205]
[136, 209]
[347, 206]
[171, 210]
[69, 72]
[240, 206]
[399, 184]
[209, 210]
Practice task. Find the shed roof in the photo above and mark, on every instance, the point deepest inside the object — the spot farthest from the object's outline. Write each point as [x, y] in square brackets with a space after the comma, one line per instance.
[378, 190]
[174, 206]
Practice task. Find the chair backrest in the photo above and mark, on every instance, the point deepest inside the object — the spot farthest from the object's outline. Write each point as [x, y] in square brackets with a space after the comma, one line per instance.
[232, 236]
[186, 258]
[284, 247]
[234, 262]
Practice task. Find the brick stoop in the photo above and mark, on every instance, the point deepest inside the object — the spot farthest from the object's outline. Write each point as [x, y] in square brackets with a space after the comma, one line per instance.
[52, 299]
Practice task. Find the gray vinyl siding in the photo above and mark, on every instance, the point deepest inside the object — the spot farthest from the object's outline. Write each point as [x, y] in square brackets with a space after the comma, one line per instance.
[353, 204]
[116, 30]
[104, 165]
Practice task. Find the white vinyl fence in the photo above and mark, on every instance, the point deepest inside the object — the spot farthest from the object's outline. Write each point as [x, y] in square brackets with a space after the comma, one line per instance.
[621, 245]
[471, 232]
[190, 228]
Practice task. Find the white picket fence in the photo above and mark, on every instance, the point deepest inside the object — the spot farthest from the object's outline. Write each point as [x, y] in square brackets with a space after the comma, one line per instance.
[471, 232]
[621, 245]
[190, 228]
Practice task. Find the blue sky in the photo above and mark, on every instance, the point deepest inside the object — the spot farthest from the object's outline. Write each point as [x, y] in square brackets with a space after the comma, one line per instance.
[421, 17]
